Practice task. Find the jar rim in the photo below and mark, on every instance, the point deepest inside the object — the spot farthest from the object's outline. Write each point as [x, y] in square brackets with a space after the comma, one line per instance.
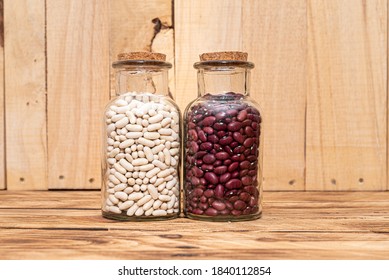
[223, 63]
[141, 63]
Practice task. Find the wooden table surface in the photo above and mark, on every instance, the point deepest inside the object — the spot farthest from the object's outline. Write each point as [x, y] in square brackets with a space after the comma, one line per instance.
[295, 225]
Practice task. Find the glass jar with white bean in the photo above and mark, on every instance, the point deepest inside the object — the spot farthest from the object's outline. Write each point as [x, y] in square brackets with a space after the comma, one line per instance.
[141, 142]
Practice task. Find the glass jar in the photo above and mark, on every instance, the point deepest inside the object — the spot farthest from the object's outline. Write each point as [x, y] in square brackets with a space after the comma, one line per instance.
[223, 142]
[141, 142]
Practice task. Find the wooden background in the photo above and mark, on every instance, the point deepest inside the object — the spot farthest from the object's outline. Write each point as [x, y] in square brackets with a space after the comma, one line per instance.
[320, 77]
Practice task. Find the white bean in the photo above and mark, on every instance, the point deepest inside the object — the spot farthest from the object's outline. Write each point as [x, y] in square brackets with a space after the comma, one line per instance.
[154, 127]
[153, 172]
[121, 195]
[148, 153]
[143, 200]
[139, 161]
[119, 168]
[147, 167]
[134, 135]
[153, 191]
[126, 205]
[151, 135]
[121, 177]
[126, 143]
[134, 128]
[131, 211]
[114, 209]
[146, 142]
[135, 196]
[122, 123]
[155, 119]
[158, 213]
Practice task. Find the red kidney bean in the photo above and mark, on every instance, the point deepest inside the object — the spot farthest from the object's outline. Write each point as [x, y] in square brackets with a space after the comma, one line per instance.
[247, 180]
[243, 173]
[222, 155]
[207, 167]
[217, 163]
[239, 150]
[252, 158]
[219, 126]
[210, 212]
[197, 211]
[208, 130]
[209, 158]
[233, 199]
[219, 191]
[218, 205]
[197, 192]
[236, 212]
[244, 196]
[229, 205]
[203, 199]
[227, 162]
[197, 171]
[247, 152]
[206, 146]
[234, 144]
[203, 206]
[248, 142]
[233, 183]
[209, 121]
[234, 126]
[220, 170]
[225, 178]
[213, 139]
[249, 131]
[220, 134]
[224, 212]
[192, 135]
[195, 181]
[202, 135]
[221, 115]
[225, 140]
[237, 157]
[235, 174]
[209, 193]
[228, 150]
[211, 177]
[238, 137]
[233, 166]
[239, 205]
[242, 115]
[232, 112]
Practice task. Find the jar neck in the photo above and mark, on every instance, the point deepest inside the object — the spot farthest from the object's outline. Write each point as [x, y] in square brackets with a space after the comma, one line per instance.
[220, 81]
[154, 81]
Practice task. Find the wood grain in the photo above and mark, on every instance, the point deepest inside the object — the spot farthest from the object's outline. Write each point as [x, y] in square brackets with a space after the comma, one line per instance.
[78, 89]
[198, 29]
[340, 226]
[347, 93]
[25, 94]
[2, 104]
[137, 25]
[274, 35]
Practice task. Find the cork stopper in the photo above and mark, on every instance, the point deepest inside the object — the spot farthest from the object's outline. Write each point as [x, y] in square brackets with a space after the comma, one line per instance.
[237, 56]
[142, 56]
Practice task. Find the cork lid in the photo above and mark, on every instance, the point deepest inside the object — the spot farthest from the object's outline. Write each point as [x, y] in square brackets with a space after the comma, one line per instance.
[142, 56]
[141, 59]
[223, 60]
[237, 56]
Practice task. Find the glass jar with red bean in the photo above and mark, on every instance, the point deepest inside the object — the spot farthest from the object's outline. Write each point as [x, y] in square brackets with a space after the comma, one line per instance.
[223, 142]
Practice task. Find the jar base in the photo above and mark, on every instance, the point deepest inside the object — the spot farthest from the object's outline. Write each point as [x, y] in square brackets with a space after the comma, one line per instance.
[224, 218]
[124, 217]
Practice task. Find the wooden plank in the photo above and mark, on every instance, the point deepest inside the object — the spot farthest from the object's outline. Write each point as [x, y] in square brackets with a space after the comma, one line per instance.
[274, 35]
[347, 94]
[341, 226]
[198, 29]
[137, 25]
[2, 104]
[25, 94]
[100, 244]
[78, 89]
